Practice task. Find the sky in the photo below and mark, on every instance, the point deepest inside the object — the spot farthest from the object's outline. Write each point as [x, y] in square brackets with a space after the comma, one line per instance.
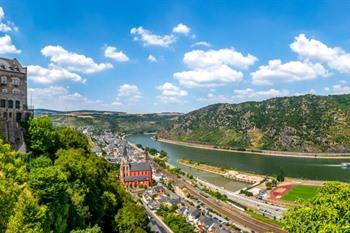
[175, 56]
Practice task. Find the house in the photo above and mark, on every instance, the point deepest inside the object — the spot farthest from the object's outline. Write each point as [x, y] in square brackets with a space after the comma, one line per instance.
[183, 210]
[204, 223]
[159, 190]
[181, 191]
[194, 216]
[135, 174]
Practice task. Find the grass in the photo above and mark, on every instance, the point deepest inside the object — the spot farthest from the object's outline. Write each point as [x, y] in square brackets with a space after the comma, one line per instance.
[301, 193]
[263, 218]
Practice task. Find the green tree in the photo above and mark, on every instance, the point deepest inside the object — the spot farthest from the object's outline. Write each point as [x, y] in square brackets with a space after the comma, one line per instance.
[42, 137]
[280, 176]
[328, 211]
[71, 138]
[9, 192]
[131, 219]
[95, 229]
[29, 216]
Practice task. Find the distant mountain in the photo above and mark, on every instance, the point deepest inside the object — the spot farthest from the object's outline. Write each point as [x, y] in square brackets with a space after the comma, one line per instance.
[306, 123]
[114, 121]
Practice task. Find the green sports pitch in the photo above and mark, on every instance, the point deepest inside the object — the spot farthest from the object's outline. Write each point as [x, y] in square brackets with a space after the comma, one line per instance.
[300, 193]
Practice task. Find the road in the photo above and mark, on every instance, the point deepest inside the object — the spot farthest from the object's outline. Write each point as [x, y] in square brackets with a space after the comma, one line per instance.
[239, 218]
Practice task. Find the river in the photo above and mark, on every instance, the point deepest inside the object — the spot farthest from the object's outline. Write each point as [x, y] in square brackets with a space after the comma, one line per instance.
[313, 169]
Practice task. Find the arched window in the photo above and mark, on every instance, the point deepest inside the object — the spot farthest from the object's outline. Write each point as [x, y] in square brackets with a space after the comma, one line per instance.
[16, 91]
[10, 104]
[3, 80]
[15, 81]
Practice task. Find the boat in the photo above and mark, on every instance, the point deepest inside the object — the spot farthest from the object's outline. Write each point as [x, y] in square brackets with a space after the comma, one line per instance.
[345, 165]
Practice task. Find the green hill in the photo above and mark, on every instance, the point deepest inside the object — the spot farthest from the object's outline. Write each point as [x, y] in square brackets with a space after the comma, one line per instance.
[306, 123]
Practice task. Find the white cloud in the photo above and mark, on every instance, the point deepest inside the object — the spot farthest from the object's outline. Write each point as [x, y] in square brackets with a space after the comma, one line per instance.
[60, 98]
[276, 71]
[182, 29]
[128, 93]
[148, 38]
[152, 58]
[170, 93]
[51, 75]
[212, 98]
[6, 26]
[6, 46]
[213, 68]
[73, 61]
[201, 43]
[111, 52]
[338, 89]
[314, 50]
[210, 58]
[249, 94]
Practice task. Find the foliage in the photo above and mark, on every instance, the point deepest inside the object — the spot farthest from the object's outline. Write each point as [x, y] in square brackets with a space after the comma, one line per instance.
[280, 176]
[216, 194]
[60, 186]
[131, 219]
[301, 123]
[176, 222]
[328, 211]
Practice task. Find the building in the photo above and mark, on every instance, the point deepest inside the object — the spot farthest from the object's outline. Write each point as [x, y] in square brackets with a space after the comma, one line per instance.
[135, 174]
[13, 100]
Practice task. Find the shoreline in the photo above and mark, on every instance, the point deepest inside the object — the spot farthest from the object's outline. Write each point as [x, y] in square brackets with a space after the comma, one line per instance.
[307, 155]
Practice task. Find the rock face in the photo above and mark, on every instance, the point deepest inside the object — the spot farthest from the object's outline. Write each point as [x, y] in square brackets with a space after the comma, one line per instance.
[306, 123]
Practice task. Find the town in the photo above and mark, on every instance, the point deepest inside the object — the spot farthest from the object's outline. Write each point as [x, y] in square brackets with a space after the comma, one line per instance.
[168, 192]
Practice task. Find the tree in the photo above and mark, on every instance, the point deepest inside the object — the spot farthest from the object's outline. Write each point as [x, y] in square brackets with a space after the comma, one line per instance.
[42, 137]
[95, 229]
[280, 176]
[49, 184]
[29, 215]
[328, 211]
[131, 218]
[71, 138]
[9, 192]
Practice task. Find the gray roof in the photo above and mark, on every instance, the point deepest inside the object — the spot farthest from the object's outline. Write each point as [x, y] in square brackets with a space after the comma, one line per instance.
[140, 166]
[196, 213]
[135, 178]
[11, 65]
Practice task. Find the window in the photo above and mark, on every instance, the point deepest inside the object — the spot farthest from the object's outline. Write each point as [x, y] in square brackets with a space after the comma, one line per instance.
[16, 91]
[3, 103]
[18, 104]
[3, 80]
[15, 81]
[10, 104]
[4, 90]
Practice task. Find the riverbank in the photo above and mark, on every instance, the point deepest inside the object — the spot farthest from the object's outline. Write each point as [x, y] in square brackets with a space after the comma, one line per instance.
[263, 152]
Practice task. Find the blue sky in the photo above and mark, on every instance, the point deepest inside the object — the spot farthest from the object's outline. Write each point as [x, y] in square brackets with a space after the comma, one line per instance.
[154, 56]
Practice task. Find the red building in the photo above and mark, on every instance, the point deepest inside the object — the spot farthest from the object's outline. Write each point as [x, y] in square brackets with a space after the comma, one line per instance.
[135, 174]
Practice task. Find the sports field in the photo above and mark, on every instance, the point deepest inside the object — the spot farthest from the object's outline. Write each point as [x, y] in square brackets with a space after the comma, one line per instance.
[300, 192]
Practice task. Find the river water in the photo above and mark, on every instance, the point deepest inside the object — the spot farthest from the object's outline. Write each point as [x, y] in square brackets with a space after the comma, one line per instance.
[313, 169]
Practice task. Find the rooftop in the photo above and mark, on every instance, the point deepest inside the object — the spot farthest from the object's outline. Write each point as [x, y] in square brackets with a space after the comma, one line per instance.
[11, 65]
[140, 166]
[135, 178]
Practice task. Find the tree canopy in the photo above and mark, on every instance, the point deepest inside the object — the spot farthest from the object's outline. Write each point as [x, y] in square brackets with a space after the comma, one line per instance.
[61, 186]
[328, 211]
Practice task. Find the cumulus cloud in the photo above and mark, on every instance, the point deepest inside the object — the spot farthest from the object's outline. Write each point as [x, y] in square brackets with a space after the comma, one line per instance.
[150, 39]
[276, 71]
[128, 93]
[182, 29]
[340, 88]
[310, 49]
[6, 46]
[212, 98]
[60, 98]
[152, 58]
[201, 43]
[73, 61]
[213, 68]
[51, 75]
[170, 93]
[113, 53]
[5, 25]
[247, 94]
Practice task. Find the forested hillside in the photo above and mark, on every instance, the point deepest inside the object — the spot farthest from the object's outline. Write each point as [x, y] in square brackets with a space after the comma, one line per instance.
[306, 123]
[60, 186]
